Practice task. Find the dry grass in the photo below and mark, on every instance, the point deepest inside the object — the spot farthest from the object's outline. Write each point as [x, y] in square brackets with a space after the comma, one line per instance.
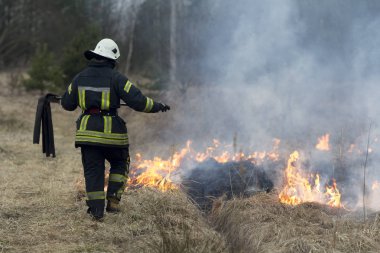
[41, 206]
[41, 209]
[262, 224]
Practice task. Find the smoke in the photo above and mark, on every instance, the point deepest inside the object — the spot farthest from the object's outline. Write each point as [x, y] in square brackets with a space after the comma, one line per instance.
[292, 70]
[261, 80]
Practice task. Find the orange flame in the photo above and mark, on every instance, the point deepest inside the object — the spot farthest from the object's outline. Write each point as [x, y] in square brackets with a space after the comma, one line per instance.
[323, 143]
[158, 173]
[333, 195]
[300, 188]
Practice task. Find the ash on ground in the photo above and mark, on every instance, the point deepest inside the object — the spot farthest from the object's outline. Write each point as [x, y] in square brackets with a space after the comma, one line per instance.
[211, 180]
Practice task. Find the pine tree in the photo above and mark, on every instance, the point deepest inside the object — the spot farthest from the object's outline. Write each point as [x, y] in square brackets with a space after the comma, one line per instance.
[44, 73]
[73, 60]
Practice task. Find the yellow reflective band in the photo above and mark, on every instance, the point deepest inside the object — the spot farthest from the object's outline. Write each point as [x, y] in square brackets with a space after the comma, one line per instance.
[82, 98]
[127, 86]
[114, 136]
[95, 195]
[105, 100]
[118, 178]
[83, 123]
[107, 124]
[69, 89]
[108, 100]
[101, 140]
[148, 105]
[120, 191]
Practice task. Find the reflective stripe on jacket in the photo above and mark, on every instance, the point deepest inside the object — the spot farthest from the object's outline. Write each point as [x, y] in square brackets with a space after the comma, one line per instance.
[100, 86]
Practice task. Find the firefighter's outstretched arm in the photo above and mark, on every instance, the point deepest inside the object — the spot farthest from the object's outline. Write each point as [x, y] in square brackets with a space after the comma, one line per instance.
[133, 97]
[69, 100]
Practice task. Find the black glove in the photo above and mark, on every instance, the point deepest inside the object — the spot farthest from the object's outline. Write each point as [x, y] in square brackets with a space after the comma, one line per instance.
[52, 98]
[164, 108]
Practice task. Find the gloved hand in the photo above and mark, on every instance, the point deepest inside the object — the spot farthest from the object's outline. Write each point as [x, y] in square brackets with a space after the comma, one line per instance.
[164, 108]
[53, 98]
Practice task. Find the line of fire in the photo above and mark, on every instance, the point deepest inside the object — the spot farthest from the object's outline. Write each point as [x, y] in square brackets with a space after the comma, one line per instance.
[222, 171]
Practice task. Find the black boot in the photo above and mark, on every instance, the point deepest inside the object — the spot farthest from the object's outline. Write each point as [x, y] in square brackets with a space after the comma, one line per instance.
[94, 216]
[112, 206]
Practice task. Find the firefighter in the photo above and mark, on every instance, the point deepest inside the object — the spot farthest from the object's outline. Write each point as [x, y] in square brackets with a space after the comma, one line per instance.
[101, 133]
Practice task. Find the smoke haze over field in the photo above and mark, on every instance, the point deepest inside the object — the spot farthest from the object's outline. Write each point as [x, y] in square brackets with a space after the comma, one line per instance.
[289, 69]
[286, 69]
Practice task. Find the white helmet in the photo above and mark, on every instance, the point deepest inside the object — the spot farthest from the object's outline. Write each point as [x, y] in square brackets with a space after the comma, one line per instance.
[106, 48]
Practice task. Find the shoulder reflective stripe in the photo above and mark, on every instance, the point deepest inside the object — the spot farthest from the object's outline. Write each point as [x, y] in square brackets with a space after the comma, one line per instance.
[97, 89]
[107, 124]
[83, 123]
[96, 195]
[148, 105]
[101, 141]
[127, 86]
[102, 134]
[69, 89]
[119, 178]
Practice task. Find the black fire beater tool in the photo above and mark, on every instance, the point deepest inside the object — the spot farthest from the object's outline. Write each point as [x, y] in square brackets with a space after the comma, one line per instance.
[44, 120]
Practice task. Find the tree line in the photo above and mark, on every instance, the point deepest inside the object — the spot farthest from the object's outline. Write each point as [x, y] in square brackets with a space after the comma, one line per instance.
[158, 39]
[169, 42]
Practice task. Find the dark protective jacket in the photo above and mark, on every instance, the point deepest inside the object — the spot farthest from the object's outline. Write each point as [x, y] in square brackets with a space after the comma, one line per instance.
[101, 87]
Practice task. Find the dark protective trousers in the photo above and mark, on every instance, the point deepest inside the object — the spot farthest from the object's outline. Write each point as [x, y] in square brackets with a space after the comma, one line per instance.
[93, 159]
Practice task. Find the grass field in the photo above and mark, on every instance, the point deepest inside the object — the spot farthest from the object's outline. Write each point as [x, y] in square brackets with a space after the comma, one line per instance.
[41, 204]
[42, 207]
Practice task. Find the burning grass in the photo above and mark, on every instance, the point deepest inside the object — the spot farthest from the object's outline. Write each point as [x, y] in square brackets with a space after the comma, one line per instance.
[263, 224]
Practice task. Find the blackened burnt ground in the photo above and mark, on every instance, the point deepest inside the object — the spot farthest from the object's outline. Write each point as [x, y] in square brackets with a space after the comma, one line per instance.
[211, 180]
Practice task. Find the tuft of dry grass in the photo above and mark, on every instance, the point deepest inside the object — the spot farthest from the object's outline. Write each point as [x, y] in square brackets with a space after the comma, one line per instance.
[262, 224]
[176, 224]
